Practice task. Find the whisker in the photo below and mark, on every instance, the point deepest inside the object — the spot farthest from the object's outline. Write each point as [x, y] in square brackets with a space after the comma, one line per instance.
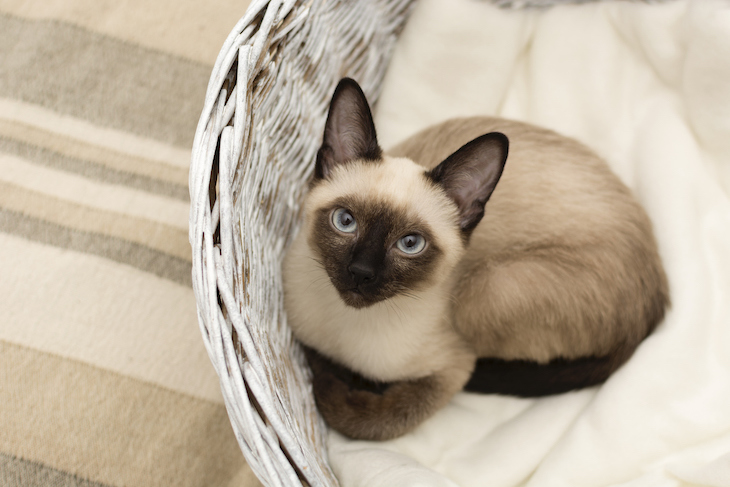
[452, 298]
[319, 262]
[318, 281]
[396, 309]
[409, 293]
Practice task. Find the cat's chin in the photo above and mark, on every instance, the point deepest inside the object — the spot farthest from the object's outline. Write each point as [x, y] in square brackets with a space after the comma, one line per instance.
[358, 300]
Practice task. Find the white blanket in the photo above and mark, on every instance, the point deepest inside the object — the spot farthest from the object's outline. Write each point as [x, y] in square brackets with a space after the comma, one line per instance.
[648, 87]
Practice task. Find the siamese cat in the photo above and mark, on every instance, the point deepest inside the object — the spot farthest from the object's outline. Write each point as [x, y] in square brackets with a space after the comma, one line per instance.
[404, 290]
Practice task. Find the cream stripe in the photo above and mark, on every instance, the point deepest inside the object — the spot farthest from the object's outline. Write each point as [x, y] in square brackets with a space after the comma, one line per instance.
[82, 191]
[173, 241]
[107, 314]
[110, 428]
[80, 130]
[90, 170]
[67, 146]
[187, 28]
[112, 248]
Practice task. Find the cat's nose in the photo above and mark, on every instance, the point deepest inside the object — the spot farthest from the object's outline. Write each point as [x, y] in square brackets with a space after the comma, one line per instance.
[361, 272]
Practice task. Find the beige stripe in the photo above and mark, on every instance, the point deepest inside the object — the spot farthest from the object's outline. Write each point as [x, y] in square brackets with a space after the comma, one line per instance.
[187, 28]
[102, 80]
[110, 428]
[85, 192]
[245, 478]
[88, 133]
[170, 240]
[103, 313]
[81, 150]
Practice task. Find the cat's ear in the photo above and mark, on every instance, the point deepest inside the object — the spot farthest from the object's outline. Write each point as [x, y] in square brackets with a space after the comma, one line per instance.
[349, 133]
[470, 175]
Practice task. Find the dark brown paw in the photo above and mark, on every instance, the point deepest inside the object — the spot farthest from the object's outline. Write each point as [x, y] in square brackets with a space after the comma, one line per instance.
[363, 409]
[322, 366]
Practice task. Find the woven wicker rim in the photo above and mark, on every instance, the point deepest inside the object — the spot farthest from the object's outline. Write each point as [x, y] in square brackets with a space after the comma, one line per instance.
[252, 156]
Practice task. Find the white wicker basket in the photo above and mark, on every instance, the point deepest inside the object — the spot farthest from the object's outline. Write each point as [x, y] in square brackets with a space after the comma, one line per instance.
[253, 153]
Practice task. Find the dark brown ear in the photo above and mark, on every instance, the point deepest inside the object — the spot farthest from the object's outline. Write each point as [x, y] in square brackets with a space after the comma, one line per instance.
[349, 133]
[470, 175]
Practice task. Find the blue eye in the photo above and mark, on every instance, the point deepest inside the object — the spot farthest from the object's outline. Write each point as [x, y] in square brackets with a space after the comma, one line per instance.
[411, 244]
[344, 221]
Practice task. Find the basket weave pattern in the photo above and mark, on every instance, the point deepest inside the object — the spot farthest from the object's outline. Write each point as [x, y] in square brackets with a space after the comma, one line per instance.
[253, 154]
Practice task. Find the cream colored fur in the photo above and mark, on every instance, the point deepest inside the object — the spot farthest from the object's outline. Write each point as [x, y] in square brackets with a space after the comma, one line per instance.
[405, 336]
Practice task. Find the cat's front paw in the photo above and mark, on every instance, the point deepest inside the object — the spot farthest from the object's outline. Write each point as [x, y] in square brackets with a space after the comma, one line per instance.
[363, 409]
[349, 403]
[330, 391]
[356, 413]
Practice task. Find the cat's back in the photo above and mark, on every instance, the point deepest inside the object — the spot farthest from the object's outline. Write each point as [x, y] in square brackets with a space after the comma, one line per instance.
[564, 262]
[552, 185]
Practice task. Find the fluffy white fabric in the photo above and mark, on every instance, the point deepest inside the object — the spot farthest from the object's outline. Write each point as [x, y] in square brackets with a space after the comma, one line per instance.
[648, 87]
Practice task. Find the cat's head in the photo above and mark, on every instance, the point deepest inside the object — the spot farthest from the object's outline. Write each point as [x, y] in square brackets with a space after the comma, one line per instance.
[382, 226]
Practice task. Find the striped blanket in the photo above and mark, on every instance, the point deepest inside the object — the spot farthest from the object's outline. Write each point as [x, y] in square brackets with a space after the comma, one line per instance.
[104, 379]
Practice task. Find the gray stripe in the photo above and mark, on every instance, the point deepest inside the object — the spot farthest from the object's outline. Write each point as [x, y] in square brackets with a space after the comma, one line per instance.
[16, 472]
[101, 79]
[91, 170]
[130, 253]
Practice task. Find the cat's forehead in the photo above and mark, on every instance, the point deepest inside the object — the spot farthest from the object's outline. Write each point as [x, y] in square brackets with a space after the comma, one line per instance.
[396, 182]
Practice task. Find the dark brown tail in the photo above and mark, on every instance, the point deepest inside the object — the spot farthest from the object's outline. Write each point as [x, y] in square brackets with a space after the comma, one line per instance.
[532, 379]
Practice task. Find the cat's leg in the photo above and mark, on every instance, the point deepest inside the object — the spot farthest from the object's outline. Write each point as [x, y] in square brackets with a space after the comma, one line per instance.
[363, 409]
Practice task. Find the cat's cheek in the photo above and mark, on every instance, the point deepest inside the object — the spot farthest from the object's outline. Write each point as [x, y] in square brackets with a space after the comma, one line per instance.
[332, 259]
[415, 273]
